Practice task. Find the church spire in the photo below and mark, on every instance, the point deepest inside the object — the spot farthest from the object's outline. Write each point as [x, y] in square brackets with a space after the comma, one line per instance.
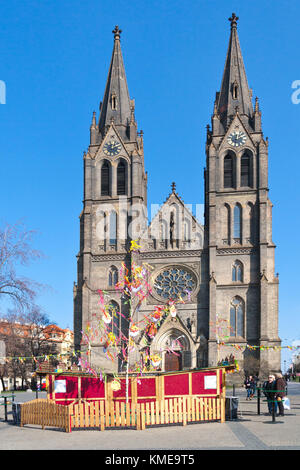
[116, 105]
[235, 95]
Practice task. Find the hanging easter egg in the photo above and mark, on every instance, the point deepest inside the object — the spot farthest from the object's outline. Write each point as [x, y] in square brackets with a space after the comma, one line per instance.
[173, 311]
[106, 317]
[155, 360]
[133, 330]
[115, 385]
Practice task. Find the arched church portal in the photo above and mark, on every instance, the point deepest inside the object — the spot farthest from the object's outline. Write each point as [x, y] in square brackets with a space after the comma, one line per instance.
[175, 349]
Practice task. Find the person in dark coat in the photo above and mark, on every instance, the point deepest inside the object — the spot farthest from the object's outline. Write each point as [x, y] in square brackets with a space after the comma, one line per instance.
[269, 392]
[280, 392]
[249, 387]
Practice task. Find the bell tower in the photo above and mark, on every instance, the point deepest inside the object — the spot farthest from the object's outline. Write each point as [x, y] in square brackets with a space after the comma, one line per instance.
[115, 184]
[243, 287]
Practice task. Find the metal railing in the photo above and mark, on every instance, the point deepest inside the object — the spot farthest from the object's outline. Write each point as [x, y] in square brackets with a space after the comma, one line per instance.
[5, 397]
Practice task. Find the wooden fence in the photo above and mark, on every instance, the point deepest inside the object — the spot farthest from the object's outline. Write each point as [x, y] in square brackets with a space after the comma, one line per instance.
[102, 415]
[45, 413]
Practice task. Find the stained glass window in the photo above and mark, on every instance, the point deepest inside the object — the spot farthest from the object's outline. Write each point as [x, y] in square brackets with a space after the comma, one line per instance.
[173, 282]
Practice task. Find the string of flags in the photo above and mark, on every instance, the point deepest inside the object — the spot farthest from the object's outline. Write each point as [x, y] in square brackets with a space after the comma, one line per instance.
[47, 357]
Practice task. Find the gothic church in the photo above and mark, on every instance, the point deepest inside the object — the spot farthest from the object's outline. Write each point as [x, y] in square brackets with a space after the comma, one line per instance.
[224, 270]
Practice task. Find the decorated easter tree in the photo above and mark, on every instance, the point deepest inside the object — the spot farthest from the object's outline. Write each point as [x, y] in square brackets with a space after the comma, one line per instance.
[125, 335]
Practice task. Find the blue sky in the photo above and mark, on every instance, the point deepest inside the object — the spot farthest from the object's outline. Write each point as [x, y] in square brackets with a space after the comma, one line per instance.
[54, 62]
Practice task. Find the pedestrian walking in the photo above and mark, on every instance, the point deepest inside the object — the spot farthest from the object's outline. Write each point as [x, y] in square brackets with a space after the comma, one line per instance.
[255, 381]
[280, 392]
[248, 384]
[269, 392]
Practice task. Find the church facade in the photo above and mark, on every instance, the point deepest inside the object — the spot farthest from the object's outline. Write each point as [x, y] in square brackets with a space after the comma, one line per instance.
[224, 270]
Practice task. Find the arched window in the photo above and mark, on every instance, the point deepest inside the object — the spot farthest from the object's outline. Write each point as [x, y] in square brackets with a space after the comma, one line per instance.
[252, 227]
[227, 226]
[105, 179]
[246, 176]
[235, 89]
[121, 179]
[114, 325]
[237, 222]
[237, 272]
[113, 101]
[113, 276]
[113, 228]
[228, 172]
[237, 317]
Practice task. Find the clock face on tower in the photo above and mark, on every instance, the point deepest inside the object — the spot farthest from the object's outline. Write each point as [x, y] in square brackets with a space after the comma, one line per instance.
[112, 148]
[237, 138]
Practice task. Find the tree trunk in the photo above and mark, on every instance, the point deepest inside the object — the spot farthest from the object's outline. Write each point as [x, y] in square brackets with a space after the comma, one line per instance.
[3, 385]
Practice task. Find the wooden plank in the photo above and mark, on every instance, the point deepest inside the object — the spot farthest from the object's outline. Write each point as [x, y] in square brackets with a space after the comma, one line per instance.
[175, 410]
[102, 415]
[157, 388]
[166, 412]
[86, 415]
[188, 408]
[180, 410]
[148, 413]
[205, 409]
[222, 410]
[152, 413]
[133, 389]
[197, 409]
[68, 424]
[201, 409]
[138, 417]
[162, 412]
[162, 387]
[75, 410]
[143, 417]
[193, 412]
[107, 408]
[118, 416]
[112, 414]
[128, 416]
[184, 411]
[81, 415]
[97, 414]
[133, 414]
[171, 416]
[92, 414]
[157, 412]
[123, 422]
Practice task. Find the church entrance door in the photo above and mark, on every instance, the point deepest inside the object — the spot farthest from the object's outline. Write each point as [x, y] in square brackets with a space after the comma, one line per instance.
[173, 361]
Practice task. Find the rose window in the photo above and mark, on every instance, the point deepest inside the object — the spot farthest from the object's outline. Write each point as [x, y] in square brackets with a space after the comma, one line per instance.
[174, 282]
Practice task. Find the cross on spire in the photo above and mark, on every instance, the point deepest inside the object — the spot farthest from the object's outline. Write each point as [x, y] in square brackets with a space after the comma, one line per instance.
[117, 31]
[173, 186]
[233, 20]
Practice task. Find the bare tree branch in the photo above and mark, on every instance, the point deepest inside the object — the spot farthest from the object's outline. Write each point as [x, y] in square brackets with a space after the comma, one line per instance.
[16, 250]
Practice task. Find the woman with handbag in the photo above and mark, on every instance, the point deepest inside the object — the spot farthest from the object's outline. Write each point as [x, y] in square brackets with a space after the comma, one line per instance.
[280, 392]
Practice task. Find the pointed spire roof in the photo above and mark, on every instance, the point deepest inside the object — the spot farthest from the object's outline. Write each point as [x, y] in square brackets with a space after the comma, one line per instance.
[235, 94]
[116, 105]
